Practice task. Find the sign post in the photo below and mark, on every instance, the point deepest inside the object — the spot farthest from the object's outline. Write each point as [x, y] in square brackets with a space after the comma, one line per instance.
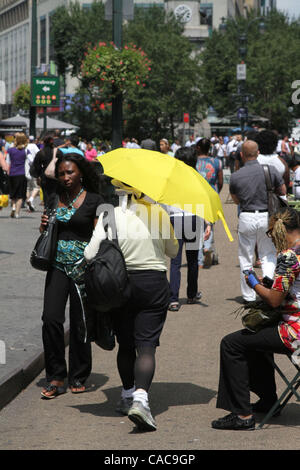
[241, 71]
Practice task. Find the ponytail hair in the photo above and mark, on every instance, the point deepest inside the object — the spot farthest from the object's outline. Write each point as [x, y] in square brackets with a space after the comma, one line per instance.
[284, 220]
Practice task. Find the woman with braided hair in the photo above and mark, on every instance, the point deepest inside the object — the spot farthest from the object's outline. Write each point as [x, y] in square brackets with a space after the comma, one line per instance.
[244, 365]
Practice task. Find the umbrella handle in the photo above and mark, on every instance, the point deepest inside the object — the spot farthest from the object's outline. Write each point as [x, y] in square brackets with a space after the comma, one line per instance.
[226, 228]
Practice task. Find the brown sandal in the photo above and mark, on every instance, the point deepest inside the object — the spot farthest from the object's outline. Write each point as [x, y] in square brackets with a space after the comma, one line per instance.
[52, 391]
[77, 387]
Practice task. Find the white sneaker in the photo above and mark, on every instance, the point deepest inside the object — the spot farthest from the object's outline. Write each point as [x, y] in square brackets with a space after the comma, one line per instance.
[141, 416]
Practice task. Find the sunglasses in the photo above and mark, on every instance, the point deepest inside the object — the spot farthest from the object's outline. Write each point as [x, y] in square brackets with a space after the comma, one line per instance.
[269, 233]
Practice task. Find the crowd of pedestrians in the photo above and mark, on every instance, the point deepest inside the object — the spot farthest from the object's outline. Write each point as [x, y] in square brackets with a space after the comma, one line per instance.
[75, 188]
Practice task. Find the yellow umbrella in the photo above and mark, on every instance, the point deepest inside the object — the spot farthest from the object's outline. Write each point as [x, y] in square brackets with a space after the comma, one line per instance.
[166, 180]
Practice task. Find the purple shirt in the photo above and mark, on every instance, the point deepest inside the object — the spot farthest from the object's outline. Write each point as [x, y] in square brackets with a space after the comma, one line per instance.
[17, 161]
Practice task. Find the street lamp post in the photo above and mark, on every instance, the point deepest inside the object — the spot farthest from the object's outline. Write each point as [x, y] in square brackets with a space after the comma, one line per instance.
[32, 110]
[241, 68]
[117, 102]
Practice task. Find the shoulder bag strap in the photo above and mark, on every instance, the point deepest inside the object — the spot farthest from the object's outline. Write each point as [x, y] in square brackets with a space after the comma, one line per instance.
[109, 220]
[267, 177]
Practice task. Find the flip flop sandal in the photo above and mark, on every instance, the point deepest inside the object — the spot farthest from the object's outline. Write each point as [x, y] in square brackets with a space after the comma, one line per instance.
[174, 307]
[77, 384]
[55, 390]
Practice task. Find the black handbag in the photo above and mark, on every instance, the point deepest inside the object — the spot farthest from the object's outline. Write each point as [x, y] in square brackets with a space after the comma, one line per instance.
[105, 335]
[275, 202]
[43, 254]
[4, 182]
[106, 278]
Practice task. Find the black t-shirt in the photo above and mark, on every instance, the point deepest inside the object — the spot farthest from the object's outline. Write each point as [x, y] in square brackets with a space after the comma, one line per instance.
[41, 161]
[81, 225]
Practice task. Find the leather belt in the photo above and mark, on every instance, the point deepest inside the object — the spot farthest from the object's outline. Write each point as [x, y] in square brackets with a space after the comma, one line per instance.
[258, 210]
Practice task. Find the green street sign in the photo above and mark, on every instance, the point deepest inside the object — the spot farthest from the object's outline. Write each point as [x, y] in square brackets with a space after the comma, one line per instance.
[45, 91]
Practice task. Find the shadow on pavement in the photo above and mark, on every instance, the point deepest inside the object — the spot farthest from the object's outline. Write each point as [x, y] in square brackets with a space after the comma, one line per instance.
[238, 299]
[93, 383]
[162, 396]
[289, 417]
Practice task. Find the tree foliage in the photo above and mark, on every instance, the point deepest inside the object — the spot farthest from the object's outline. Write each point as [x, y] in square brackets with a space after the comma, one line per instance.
[109, 69]
[73, 28]
[173, 86]
[21, 97]
[272, 66]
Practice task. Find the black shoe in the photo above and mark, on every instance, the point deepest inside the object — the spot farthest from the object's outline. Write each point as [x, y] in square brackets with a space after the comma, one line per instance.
[233, 422]
[264, 406]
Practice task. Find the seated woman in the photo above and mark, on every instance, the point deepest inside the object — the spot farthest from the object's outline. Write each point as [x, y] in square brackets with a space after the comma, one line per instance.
[244, 366]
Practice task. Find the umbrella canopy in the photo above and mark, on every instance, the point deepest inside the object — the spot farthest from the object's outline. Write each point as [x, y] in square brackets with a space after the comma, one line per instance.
[166, 180]
[51, 123]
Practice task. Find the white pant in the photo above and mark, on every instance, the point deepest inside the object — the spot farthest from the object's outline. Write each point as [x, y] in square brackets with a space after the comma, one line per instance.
[252, 229]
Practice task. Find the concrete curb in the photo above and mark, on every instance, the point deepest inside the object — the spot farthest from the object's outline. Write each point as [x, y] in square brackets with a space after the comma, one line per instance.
[16, 381]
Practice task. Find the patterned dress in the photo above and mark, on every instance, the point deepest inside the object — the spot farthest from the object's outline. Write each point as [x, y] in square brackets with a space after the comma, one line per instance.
[287, 279]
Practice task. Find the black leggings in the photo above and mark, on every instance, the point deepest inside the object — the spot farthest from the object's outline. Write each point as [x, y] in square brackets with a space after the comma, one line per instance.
[136, 368]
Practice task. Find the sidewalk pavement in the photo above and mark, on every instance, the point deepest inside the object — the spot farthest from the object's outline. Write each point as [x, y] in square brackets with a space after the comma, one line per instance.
[184, 390]
[21, 302]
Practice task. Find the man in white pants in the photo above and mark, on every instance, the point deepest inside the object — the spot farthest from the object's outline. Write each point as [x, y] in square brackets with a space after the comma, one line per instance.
[248, 189]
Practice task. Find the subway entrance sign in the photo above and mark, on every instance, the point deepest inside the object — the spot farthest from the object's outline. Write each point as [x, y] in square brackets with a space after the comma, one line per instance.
[45, 91]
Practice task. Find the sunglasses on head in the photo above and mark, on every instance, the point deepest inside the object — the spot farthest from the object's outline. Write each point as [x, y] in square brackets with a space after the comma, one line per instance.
[269, 233]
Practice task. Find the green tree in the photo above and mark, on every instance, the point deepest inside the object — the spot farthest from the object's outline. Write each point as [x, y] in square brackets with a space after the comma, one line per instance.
[173, 85]
[272, 66]
[21, 97]
[73, 28]
[91, 114]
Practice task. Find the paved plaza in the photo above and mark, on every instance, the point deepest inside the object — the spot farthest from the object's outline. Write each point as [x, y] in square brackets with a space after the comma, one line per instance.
[184, 390]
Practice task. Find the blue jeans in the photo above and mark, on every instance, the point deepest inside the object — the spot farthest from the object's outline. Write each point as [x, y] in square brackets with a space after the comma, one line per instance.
[205, 245]
[192, 262]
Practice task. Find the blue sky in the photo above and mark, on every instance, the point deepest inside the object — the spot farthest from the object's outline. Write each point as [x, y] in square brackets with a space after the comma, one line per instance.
[291, 6]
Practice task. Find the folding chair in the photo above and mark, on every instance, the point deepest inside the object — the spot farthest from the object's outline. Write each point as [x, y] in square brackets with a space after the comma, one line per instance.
[291, 389]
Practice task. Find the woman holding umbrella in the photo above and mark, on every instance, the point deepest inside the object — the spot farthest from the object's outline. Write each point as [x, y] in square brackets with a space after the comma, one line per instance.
[138, 328]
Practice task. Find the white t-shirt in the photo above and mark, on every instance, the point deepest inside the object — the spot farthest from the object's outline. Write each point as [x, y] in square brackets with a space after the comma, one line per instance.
[278, 148]
[272, 160]
[33, 149]
[189, 143]
[232, 146]
[296, 188]
[145, 240]
[221, 150]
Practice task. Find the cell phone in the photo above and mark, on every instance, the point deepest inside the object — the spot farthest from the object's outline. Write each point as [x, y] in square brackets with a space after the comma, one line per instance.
[267, 282]
[247, 272]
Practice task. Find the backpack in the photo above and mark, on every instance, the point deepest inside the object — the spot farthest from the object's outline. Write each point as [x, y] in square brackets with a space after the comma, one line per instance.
[106, 278]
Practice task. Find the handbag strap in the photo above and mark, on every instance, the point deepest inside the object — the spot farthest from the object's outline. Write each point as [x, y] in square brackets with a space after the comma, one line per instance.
[109, 220]
[267, 174]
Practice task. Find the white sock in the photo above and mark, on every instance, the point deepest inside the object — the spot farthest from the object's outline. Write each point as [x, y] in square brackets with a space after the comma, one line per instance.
[141, 396]
[127, 393]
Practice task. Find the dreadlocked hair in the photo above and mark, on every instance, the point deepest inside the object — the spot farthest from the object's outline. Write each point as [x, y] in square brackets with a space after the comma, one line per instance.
[283, 220]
